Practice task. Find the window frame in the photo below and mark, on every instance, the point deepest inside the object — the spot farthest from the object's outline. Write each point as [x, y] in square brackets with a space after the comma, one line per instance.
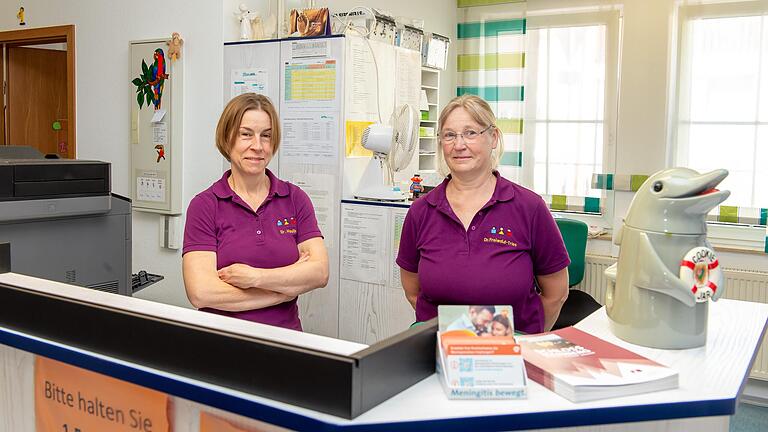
[720, 234]
[612, 19]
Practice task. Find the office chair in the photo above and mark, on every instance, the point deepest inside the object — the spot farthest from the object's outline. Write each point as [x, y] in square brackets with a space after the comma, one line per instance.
[579, 303]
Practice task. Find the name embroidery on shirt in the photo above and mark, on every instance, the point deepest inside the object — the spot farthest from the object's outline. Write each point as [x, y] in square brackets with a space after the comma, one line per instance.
[287, 225]
[500, 236]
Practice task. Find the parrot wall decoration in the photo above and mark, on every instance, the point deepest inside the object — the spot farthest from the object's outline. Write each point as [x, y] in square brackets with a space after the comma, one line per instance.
[149, 85]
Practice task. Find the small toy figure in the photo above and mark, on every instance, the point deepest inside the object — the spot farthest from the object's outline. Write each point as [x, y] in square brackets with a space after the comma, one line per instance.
[246, 18]
[160, 152]
[416, 188]
[20, 16]
[174, 46]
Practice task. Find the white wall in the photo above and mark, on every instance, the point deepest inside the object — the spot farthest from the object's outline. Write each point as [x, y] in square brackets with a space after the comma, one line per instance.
[103, 30]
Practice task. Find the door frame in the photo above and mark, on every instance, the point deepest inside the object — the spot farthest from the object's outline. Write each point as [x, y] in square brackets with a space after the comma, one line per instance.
[45, 35]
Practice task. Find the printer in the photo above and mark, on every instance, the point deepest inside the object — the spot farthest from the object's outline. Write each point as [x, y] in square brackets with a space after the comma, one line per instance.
[63, 222]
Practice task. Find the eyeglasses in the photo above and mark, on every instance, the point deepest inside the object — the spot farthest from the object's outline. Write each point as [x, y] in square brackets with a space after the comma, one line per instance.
[469, 135]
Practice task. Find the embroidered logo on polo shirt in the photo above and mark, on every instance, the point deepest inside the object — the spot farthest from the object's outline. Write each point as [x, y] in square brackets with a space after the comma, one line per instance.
[287, 225]
[500, 235]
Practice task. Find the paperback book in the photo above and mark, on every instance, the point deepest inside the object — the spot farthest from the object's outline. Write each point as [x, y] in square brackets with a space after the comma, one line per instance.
[581, 367]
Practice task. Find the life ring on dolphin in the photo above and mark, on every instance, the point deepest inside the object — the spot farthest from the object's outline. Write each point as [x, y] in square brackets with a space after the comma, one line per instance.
[700, 270]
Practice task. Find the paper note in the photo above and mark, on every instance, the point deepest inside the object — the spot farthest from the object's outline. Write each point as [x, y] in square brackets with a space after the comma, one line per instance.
[398, 218]
[363, 245]
[319, 187]
[150, 189]
[71, 399]
[160, 134]
[407, 77]
[354, 137]
[158, 116]
[310, 48]
[248, 81]
[361, 79]
[310, 138]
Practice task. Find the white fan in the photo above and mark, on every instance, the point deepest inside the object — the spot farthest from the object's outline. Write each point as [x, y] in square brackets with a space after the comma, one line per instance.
[393, 147]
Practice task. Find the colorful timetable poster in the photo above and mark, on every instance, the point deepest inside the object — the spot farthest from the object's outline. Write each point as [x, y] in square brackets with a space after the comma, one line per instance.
[71, 399]
[310, 81]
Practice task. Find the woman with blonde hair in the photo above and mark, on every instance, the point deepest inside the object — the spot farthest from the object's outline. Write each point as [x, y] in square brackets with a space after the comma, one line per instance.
[251, 241]
[478, 238]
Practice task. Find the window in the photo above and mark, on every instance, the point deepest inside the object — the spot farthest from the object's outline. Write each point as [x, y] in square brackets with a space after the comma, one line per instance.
[570, 103]
[722, 111]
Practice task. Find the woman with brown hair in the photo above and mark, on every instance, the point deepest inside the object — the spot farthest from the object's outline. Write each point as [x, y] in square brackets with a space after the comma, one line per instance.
[251, 240]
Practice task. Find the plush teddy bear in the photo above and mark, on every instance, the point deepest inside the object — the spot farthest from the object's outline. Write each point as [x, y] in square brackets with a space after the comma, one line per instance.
[174, 46]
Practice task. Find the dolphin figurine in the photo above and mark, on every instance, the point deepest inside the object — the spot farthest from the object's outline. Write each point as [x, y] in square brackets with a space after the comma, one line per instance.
[648, 303]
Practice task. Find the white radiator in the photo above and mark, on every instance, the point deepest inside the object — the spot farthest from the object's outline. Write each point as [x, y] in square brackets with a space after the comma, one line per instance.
[740, 285]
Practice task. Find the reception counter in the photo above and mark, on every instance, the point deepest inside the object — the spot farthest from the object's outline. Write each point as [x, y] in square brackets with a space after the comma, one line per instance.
[711, 380]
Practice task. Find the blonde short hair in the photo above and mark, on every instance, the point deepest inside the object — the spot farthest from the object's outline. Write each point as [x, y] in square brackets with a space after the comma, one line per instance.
[232, 116]
[480, 112]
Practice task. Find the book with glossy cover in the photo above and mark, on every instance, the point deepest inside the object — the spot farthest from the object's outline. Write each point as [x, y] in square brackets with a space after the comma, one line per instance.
[582, 367]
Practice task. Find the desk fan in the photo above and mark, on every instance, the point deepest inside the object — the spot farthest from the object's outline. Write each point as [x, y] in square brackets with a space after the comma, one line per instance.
[393, 146]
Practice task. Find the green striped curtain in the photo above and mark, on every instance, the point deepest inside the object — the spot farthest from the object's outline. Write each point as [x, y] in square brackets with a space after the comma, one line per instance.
[490, 62]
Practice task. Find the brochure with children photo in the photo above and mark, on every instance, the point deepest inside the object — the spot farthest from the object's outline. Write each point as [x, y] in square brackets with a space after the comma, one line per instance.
[481, 320]
[477, 355]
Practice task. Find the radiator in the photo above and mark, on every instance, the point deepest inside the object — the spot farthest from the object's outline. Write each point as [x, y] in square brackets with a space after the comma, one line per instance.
[740, 285]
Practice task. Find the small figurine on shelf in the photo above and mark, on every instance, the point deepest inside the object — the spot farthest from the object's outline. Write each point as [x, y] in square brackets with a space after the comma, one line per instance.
[20, 16]
[416, 188]
[174, 46]
[246, 18]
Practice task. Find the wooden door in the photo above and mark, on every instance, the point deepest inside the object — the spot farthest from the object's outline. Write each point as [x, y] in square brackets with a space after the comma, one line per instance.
[37, 98]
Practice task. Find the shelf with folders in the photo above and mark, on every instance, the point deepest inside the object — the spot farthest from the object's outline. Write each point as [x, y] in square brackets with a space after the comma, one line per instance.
[429, 112]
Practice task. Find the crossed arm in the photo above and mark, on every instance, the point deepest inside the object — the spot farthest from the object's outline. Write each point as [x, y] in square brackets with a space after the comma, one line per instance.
[241, 287]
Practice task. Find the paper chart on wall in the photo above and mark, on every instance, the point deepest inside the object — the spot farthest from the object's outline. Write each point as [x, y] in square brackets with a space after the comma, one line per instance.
[159, 134]
[310, 48]
[319, 187]
[310, 138]
[370, 83]
[150, 189]
[408, 77]
[249, 81]
[310, 84]
[398, 218]
[363, 243]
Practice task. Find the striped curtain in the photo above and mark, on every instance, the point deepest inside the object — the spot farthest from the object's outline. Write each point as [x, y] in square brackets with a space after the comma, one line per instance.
[491, 58]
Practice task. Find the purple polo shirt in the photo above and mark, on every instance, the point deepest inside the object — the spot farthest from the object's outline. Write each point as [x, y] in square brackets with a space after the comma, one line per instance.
[218, 220]
[511, 239]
